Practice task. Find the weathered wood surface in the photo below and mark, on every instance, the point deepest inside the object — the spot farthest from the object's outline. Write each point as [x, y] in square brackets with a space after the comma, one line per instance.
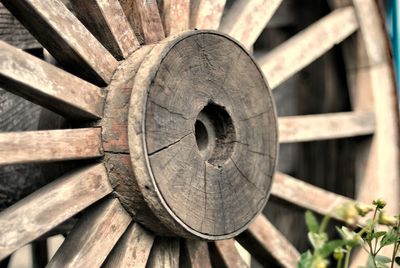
[197, 254]
[132, 250]
[93, 237]
[51, 145]
[206, 14]
[107, 21]
[325, 126]
[264, 242]
[39, 251]
[145, 20]
[302, 49]
[308, 196]
[197, 191]
[226, 254]
[65, 37]
[165, 253]
[175, 15]
[12, 32]
[46, 85]
[58, 201]
[246, 19]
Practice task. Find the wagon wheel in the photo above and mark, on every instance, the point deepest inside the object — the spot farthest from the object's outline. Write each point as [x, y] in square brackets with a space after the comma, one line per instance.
[181, 130]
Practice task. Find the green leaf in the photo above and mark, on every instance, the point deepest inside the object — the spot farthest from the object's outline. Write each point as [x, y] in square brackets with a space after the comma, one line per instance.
[312, 222]
[305, 260]
[383, 259]
[329, 247]
[389, 238]
[378, 234]
[317, 240]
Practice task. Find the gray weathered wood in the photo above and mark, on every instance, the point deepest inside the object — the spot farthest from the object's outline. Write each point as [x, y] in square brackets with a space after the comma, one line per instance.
[206, 14]
[93, 236]
[51, 145]
[65, 37]
[46, 85]
[175, 15]
[325, 126]
[145, 20]
[51, 205]
[107, 21]
[165, 253]
[227, 255]
[302, 49]
[132, 250]
[197, 254]
[246, 19]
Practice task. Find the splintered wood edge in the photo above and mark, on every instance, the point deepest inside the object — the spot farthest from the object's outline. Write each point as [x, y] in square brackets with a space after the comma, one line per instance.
[137, 140]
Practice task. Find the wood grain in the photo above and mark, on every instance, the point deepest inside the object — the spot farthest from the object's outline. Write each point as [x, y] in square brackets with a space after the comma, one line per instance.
[303, 128]
[132, 250]
[206, 14]
[165, 253]
[93, 237]
[12, 32]
[51, 205]
[145, 20]
[308, 196]
[175, 15]
[46, 85]
[65, 37]
[264, 242]
[246, 19]
[51, 145]
[306, 46]
[227, 255]
[106, 20]
[197, 254]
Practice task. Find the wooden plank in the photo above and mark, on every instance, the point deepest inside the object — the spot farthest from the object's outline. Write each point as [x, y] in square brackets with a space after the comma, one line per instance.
[65, 37]
[50, 206]
[165, 253]
[132, 250]
[145, 20]
[306, 46]
[107, 21]
[46, 85]
[246, 19]
[175, 15]
[50, 145]
[307, 196]
[197, 254]
[40, 256]
[264, 242]
[325, 126]
[206, 14]
[93, 237]
[12, 32]
[228, 254]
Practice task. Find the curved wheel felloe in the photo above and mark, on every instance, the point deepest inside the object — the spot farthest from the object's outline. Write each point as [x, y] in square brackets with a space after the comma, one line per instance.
[178, 127]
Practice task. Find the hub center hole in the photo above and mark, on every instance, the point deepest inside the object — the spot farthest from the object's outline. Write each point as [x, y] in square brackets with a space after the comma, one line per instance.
[215, 134]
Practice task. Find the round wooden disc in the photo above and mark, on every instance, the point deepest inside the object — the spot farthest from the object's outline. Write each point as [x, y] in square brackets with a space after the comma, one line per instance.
[202, 135]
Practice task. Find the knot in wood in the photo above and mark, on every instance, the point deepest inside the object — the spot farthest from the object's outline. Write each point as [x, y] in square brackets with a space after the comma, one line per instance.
[190, 132]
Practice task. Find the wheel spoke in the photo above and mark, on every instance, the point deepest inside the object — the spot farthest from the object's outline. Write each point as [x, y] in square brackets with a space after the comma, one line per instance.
[247, 18]
[107, 21]
[206, 14]
[46, 85]
[93, 237]
[175, 15]
[325, 126]
[228, 255]
[302, 49]
[307, 196]
[61, 33]
[51, 205]
[145, 19]
[197, 253]
[51, 145]
[264, 242]
[132, 250]
[165, 253]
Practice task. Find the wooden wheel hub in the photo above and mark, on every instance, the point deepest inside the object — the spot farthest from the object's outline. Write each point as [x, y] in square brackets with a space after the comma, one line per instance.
[202, 136]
